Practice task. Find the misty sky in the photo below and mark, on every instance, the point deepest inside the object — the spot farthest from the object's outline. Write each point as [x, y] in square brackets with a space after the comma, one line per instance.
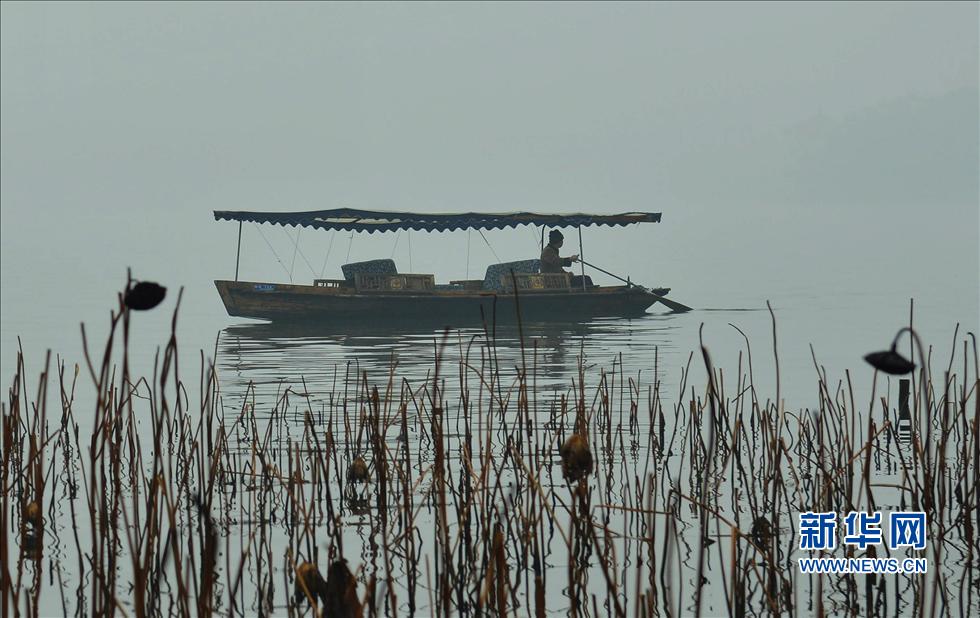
[828, 147]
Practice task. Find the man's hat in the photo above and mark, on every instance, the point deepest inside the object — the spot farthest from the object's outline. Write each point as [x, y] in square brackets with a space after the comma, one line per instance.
[554, 235]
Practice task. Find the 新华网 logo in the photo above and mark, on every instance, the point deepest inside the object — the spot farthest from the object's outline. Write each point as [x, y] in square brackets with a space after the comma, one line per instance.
[818, 530]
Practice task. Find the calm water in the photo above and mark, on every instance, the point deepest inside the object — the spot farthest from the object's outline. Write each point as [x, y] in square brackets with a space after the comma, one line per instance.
[318, 368]
[841, 329]
[659, 346]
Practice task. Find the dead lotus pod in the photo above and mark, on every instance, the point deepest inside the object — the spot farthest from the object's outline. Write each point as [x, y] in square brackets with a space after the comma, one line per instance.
[340, 599]
[576, 458]
[145, 295]
[358, 471]
[32, 515]
[761, 532]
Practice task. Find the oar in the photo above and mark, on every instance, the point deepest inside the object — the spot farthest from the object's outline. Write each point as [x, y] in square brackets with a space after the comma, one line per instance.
[670, 304]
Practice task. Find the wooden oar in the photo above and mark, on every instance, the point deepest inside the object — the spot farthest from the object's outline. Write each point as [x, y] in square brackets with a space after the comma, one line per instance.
[670, 304]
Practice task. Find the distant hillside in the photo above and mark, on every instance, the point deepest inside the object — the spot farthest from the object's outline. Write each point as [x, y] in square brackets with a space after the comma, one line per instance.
[907, 151]
[914, 151]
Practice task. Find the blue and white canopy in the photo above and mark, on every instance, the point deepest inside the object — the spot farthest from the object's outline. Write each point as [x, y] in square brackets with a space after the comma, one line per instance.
[384, 221]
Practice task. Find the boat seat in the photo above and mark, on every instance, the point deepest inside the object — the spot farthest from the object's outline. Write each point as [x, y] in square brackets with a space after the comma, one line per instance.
[492, 281]
[370, 267]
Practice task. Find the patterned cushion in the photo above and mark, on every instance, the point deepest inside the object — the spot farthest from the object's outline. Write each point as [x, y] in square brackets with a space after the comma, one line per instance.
[370, 267]
[494, 272]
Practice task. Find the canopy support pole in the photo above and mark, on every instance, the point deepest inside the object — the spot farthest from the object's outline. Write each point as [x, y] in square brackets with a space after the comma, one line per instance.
[581, 255]
[238, 253]
[542, 239]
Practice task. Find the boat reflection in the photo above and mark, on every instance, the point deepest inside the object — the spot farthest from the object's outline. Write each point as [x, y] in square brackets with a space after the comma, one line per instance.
[323, 360]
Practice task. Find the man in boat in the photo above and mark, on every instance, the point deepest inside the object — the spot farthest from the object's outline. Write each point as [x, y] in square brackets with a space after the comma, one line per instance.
[552, 262]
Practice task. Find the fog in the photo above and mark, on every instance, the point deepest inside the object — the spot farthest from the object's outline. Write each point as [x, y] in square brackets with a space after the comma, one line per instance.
[829, 148]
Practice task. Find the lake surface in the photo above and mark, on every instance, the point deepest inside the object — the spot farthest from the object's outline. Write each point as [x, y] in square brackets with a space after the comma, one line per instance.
[841, 329]
[273, 374]
[659, 346]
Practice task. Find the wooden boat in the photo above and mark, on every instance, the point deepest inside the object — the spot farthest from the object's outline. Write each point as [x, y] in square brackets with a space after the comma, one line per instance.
[376, 291]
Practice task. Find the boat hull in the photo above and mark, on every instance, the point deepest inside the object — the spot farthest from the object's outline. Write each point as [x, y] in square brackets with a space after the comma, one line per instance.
[304, 303]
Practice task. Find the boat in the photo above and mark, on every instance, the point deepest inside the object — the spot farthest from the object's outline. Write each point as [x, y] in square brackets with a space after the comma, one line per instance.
[375, 290]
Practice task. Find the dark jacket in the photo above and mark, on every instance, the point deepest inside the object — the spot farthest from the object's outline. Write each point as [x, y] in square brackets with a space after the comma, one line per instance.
[551, 262]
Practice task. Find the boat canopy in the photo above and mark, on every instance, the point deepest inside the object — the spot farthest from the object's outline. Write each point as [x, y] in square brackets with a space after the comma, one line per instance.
[384, 221]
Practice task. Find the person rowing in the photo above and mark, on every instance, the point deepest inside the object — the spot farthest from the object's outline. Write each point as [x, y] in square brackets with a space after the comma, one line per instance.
[552, 262]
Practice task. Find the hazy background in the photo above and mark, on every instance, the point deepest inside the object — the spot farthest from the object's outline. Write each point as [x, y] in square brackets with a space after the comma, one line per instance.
[824, 156]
